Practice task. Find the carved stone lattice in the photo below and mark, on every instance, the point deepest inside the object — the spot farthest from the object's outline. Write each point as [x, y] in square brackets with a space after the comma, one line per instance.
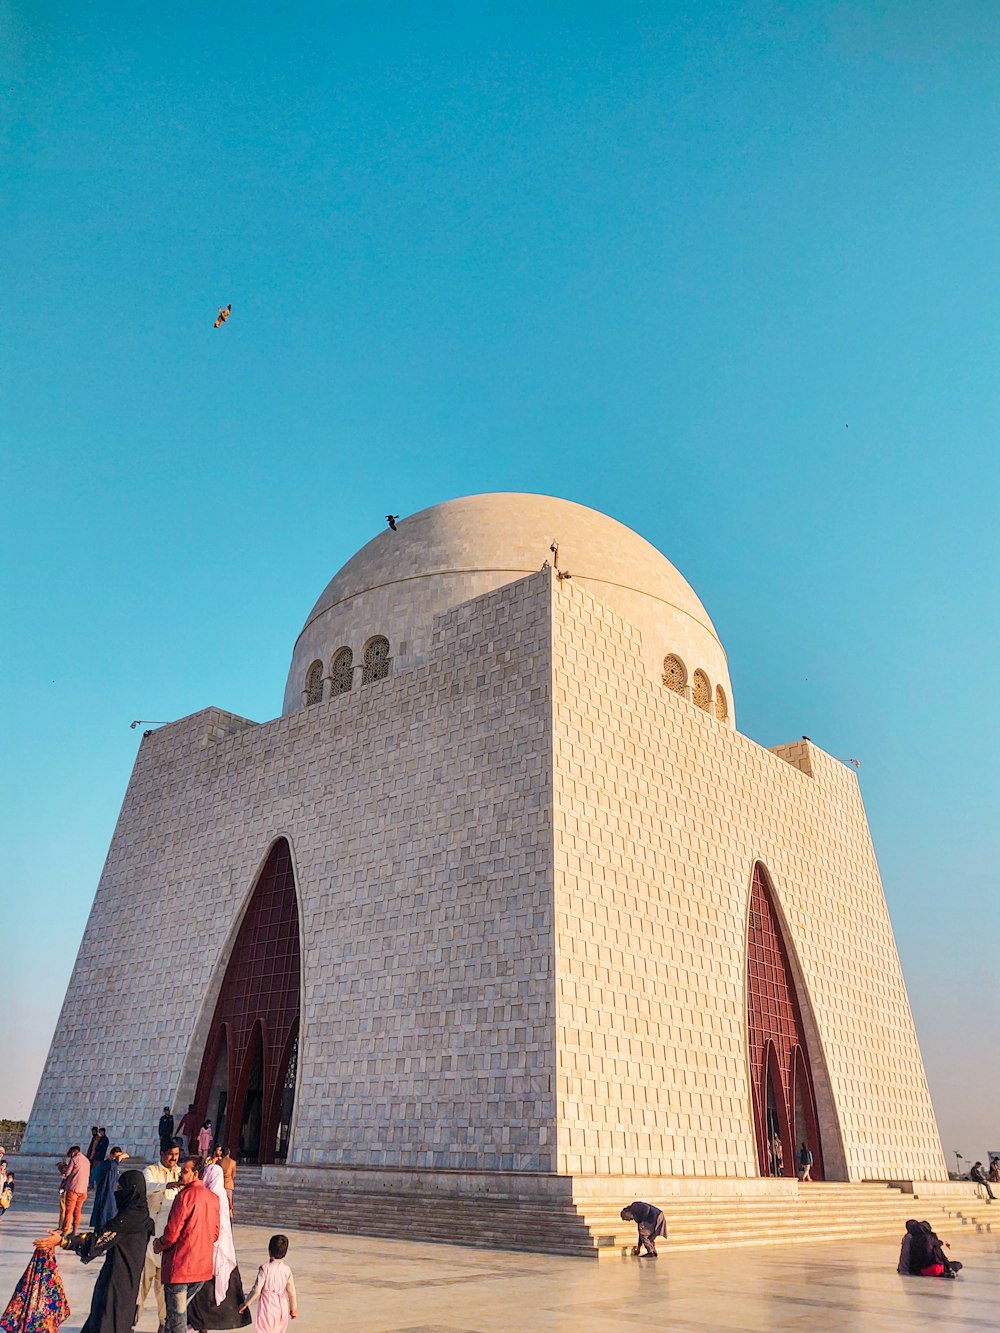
[674, 673]
[293, 1067]
[721, 705]
[314, 683]
[376, 664]
[342, 672]
[702, 691]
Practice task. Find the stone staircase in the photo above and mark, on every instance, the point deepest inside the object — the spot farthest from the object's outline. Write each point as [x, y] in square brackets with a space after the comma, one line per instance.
[811, 1213]
[816, 1212]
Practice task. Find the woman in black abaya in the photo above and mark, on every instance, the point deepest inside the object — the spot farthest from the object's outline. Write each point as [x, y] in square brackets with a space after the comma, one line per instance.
[123, 1242]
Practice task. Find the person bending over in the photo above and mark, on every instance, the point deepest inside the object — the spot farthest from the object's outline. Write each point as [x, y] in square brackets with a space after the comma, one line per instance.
[650, 1222]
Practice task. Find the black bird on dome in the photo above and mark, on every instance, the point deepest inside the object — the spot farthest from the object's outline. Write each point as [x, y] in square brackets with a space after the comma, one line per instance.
[391, 520]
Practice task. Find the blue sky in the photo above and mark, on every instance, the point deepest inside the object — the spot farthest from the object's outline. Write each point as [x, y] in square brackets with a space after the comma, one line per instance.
[726, 272]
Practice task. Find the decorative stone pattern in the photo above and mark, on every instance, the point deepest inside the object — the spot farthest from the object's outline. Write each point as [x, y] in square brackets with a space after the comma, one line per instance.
[376, 661]
[419, 818]
[701, 691]
[342, 672]
[659, 814]
[675, 675]
[314, 683]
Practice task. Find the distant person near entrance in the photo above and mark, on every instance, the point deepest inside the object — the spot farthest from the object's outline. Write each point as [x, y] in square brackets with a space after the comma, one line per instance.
[228, 1163]
[165, 1129]
[777, 1157]
[650, 1222]
[187, 1130]
[805, 1162]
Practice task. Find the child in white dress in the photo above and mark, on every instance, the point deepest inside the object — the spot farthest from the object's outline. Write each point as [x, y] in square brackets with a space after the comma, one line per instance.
[275, 1287]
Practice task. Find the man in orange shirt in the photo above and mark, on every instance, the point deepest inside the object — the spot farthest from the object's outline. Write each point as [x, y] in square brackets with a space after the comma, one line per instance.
[187, 1244]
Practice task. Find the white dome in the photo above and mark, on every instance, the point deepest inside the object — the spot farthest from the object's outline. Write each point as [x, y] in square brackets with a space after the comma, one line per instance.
[445, 555]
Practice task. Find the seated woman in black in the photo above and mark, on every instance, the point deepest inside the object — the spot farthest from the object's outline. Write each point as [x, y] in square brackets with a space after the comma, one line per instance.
[925, 1256]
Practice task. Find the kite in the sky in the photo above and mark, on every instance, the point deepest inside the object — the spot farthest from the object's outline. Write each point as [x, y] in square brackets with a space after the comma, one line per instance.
[223, 316]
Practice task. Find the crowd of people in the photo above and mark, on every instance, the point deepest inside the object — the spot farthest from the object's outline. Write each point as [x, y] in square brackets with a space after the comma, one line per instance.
[168, 1229]
[170, 1232]
[165, 1229]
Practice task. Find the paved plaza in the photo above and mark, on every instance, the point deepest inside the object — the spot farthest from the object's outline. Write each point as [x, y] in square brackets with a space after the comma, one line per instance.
[402, 1286]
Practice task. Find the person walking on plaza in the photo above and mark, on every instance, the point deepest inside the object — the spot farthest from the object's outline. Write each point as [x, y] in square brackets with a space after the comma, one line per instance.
[165, 1129]
[99, 1160]
[95, 1134]
[805, 1161]
[979, 1176]
[104, 1193]
[275, 1287]
[123, 1243]
[187, 1130]
[220, 1303]
[75, 1183]
[650, 1222]
[228, 1163]
[162, 1183]
[187, 1244]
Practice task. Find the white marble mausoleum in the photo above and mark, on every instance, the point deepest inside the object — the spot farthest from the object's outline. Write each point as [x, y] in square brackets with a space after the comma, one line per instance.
[502, 890]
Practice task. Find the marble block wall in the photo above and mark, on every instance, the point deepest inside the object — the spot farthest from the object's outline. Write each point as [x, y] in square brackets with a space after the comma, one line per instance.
[418, 811]
[659, 814]
[523, 871]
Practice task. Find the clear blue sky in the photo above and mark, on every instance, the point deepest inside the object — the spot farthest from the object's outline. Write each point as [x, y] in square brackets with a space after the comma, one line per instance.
[726, 272]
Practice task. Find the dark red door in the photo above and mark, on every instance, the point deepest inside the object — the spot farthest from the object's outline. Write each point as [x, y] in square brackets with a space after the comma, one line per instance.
[783, 1099]
[256, 1019]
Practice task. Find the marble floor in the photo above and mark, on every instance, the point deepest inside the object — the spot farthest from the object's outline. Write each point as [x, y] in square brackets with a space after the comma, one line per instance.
[402, 1286]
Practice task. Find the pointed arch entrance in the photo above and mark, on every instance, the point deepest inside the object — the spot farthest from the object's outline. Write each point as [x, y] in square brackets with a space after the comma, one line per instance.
[784, 1102]
[253, 1040]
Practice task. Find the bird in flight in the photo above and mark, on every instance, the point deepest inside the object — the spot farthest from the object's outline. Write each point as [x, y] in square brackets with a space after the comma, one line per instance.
[223, 316]
[391, 520]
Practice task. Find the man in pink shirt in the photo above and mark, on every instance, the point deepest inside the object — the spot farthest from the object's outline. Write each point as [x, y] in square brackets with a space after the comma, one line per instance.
[75, 1183]
[187, 1244]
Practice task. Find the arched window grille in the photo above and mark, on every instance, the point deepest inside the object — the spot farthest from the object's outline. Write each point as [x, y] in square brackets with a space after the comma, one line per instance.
[721, 704]
[675, 675]
[342, 671]
[702, 691]
[314, 683]
[376, 663]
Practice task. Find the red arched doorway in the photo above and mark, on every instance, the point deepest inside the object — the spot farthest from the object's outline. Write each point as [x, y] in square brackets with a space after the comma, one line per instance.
[253, 1041]
[784, 1103]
